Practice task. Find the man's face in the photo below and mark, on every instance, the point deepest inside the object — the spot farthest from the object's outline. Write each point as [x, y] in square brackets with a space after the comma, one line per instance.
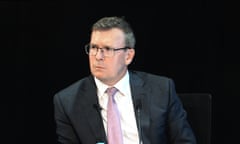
[110, 69]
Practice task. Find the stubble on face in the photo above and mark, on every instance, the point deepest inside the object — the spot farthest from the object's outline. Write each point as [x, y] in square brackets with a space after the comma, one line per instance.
[108, 69]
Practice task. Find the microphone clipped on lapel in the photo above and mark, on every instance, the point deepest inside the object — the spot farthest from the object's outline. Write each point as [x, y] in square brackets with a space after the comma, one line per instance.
[97, 107]
[100, 139]
[138, 108]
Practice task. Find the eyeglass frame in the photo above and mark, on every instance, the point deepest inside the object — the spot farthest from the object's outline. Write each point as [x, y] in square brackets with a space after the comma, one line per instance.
[87, 48]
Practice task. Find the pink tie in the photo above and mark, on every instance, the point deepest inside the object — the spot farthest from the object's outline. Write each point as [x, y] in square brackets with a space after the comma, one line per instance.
[114, 132]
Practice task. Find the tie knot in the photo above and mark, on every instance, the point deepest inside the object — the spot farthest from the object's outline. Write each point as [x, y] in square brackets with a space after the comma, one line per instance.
[111, 91]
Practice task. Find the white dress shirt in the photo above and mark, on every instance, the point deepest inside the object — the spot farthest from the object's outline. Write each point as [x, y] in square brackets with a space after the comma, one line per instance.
[124, 102]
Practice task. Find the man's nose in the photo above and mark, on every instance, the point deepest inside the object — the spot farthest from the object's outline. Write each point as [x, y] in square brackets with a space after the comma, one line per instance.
[100, 53]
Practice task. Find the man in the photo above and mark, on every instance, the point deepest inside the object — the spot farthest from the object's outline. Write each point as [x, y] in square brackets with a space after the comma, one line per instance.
[149, 109]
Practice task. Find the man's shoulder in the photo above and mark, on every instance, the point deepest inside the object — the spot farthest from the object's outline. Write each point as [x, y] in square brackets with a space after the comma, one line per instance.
[148, 75]
[75, 86]
[151, 80]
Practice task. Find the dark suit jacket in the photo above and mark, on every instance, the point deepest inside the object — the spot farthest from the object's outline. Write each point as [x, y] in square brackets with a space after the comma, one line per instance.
[162, 118]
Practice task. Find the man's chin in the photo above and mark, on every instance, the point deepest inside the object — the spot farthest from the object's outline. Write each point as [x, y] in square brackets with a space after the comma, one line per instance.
[99, 75]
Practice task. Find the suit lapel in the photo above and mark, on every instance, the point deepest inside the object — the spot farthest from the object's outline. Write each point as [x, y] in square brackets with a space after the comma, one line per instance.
[92, 111]
[139, 94]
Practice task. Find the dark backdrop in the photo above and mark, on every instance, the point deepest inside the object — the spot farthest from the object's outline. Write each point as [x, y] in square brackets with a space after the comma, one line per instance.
[193, 42]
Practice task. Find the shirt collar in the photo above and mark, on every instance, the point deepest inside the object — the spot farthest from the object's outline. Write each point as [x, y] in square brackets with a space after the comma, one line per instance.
[122, 85]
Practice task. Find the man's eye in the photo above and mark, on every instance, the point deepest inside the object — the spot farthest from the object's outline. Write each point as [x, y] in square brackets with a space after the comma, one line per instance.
[93, 47]
[107, 49]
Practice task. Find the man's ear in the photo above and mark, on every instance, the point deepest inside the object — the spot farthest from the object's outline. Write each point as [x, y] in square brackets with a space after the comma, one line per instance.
[130, 55]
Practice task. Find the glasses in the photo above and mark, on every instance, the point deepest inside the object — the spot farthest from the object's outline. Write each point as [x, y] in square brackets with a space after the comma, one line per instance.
[106, 51]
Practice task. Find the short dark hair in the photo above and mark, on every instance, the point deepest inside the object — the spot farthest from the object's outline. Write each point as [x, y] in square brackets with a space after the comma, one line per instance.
[107, 23]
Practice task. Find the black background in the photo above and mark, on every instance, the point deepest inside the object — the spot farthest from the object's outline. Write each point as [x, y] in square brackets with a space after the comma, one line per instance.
[194, 42]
